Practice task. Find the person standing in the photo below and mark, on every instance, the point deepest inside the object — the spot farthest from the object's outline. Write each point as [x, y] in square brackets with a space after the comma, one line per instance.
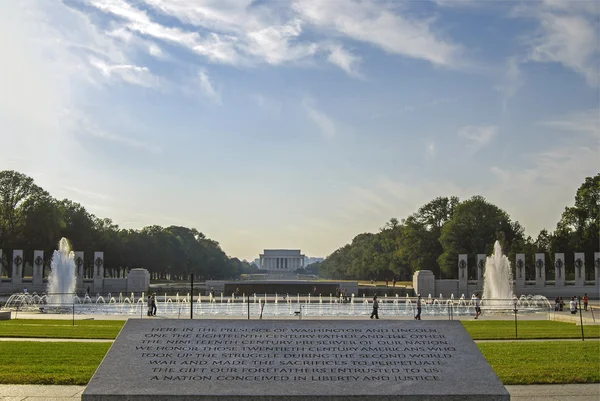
[375, 308]
[154, 304]
[477, 306]
[149, 305]
[573, 306]
[419, 305]
[585, 301]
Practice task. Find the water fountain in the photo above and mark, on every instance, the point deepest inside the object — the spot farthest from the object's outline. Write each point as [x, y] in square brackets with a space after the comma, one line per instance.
[497, 296]
[497, 280]
[61, 282]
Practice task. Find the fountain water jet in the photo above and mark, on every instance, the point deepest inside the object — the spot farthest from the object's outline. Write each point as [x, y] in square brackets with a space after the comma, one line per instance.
[497, 279]
[62, 279]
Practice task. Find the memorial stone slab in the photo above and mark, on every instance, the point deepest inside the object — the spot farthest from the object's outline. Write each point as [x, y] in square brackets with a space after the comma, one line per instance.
[293, 360]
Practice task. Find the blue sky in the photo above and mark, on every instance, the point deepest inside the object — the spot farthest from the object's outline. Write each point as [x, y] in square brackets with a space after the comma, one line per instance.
[276, 124]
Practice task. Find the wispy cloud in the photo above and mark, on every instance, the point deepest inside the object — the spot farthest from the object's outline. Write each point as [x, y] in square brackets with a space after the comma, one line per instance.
[326, 124]
[207, 87]
[587, 122]
[511, 83]
[345, 60]
[76, 121]
[478, 136]
[567, 34]
[430, 149]
[380, 25]
[132, 74]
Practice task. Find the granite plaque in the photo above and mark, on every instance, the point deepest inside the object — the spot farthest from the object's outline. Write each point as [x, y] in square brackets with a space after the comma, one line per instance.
[298, 360]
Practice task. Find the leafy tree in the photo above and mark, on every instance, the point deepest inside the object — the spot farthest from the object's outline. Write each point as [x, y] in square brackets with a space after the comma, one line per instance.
[474, 227]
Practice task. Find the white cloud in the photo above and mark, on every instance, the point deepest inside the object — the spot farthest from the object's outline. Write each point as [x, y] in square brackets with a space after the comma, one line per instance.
[512, 82]
[132, 74]
[567, 34]
[207, 87]
[325, 123]
[380, 25]
[75, 121]
[345, 60]
[430, 150]
[478, 135]
[587, 122]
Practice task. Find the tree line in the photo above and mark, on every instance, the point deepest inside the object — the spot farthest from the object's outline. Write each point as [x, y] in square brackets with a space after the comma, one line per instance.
[31, 219]
[434, 236]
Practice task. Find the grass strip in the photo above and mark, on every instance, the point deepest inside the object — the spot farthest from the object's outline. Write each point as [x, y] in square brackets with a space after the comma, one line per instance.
[26, 362]
[43, 328]
[552, 362]
[527, 329]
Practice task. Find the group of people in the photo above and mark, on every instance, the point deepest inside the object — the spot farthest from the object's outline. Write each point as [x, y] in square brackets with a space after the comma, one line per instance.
[375, 312]
[152, 304]
[559, 304]
[342, 294]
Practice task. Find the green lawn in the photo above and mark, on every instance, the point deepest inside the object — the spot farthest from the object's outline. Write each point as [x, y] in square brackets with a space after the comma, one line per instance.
[550, 362]
[27, 362]
[527, 329]
[42, 328]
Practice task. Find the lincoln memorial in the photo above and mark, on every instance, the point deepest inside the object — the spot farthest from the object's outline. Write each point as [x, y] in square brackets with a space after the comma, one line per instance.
[281, 260]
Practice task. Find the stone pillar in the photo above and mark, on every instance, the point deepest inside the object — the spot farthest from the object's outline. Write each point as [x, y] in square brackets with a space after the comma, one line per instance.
[559, 269]
[480, 270]
[540, 270]
[424, 283]
[463, 276]
[579, 269]
[38, 264]
[79, 265]
[519, 272]
[98, 271]
[17, 268]
[597, 270]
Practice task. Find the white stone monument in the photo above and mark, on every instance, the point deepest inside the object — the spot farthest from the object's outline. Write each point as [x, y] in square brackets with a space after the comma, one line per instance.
[79, 265]
[98, 271]
[38, 265]
[559, 269]
[540, 270]
[463, 274]
[17, 268]
[597, 270]
[480, 270]
[520, 271]
[281, 260]
[579, 264]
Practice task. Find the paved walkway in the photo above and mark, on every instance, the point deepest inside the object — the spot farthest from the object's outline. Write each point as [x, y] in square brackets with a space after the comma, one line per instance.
[552, 392]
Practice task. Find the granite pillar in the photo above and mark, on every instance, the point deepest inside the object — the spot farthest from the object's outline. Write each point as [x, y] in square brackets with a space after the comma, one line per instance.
[17, 268]
[79, 265]
[463, 275]
[540, 270]
[480, 270]
[579, 269]
[38, 265]
[597, 270]
[559, 269]
[98, 271]
[520, 272]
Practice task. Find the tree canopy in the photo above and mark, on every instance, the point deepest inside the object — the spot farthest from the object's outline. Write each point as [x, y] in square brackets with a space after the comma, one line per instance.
[433, 237]
[31, 219]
